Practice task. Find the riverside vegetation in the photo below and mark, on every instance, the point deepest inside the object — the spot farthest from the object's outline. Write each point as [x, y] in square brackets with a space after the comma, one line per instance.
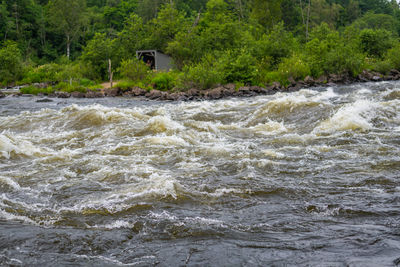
[241, 47]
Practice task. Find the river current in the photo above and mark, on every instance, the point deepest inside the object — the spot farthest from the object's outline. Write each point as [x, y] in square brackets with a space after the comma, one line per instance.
[308, 178]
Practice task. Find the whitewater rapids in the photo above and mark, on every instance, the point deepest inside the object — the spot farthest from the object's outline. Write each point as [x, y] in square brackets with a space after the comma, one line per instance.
[304, 178]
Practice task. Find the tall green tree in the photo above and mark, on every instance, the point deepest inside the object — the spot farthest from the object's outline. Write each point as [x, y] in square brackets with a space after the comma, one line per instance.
[10, 62]
[267, 12]
[67, 18]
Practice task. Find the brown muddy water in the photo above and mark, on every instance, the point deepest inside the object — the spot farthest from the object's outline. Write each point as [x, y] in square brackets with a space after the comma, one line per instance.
[310, 178]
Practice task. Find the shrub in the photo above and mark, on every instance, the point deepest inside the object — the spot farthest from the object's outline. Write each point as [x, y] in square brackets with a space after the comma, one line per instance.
[330, 53]
[86, 82]
[393, 56]
[134, 70]
[276, 45]
[69, 88]
[203, 75]
[35, 90]
[125, 85]
[275, 76]
[164, 81]
[382, 66]
[11, 68]
[238, 67]
[375, 42]
[343, 59]
[43, 73]
[293, 67]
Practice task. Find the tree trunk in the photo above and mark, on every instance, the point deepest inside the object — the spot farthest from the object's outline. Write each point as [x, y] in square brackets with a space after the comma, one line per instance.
[110, 73]
[308, 20]
[68, 46]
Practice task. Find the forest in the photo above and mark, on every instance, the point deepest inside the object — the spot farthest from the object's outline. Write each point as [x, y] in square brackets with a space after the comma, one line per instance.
[76, 45]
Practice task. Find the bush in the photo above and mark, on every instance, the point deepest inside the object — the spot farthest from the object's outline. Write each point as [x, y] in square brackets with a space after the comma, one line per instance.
[69, 88]
[43, 73]
[134, 70]
[293, 67]
[277, 45]
[393, 56]
[86, 82]
[275, 76]
[382, 66]
[164, 81]
[344, 59]
[203, 75]
[238, 67]
[329, 53]
[125, 85]
[375, 42]
[35, 90]
[11, 67]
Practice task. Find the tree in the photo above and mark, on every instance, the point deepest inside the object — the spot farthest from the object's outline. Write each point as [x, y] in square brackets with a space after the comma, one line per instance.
[163, 29]
[375, 42]
[98, 52]
[10, 62]
[67, 17]
[267, 12]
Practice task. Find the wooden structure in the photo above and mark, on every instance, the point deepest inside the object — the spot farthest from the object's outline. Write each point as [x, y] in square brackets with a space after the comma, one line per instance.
[155, 59]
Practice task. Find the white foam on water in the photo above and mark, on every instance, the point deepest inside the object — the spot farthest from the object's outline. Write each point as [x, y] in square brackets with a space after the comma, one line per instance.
[10, 182]
[269, 128]
[10, 146]
[325, 96]
[118, 224]
[166, 140]
[154, 188]
[273, 153]
[354, 116]
[228, 191]
[159, 124]
[163, 215]
[12, 217]
[205, 221]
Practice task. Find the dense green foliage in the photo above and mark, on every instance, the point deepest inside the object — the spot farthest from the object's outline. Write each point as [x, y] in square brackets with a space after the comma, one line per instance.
[212, 42]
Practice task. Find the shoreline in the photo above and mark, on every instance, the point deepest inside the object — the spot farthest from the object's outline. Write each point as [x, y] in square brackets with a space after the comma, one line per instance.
[223, 91]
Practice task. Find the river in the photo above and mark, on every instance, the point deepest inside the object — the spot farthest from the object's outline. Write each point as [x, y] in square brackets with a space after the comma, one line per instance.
[308, 178]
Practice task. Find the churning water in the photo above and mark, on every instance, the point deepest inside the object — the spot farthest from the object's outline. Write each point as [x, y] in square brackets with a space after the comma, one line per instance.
[305, 178]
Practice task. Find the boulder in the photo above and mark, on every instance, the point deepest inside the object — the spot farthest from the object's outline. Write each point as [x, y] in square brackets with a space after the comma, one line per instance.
[94, 94]
[376, 78]
[215, 93]
[44, 100]
[388, 77]
[177, 96]
[137, 91]
[258, 90]
[276, 85]
[309, 81]
[78, 94]
[230, 86]
[113, 92]
[2, 95]
[63, 94]
[334, 78]
[367, 76]
[154, 94]
[292, 81]
[245, 91]
[394, 72]
[321, 80]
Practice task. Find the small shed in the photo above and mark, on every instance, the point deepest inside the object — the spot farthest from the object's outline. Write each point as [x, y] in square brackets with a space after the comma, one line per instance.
[155, 59]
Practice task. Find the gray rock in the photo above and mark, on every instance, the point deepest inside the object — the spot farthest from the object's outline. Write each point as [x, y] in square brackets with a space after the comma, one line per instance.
[78, 95]
[44, 100]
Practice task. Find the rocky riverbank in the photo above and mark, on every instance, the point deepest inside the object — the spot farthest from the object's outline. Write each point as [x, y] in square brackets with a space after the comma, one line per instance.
[228, 90]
